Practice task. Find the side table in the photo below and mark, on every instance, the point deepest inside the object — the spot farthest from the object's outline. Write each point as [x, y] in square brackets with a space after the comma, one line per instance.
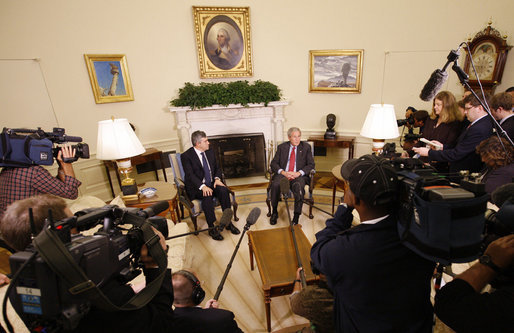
[336, 172]
[165, 191]
[338, 142]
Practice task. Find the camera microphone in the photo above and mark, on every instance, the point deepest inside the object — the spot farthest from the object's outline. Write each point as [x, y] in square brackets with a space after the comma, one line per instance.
[284, 187]
[253, 216]
[154, 209]
[225, 220]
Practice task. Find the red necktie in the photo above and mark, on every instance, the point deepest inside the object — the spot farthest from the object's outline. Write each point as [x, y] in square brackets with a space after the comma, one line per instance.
[292, 160]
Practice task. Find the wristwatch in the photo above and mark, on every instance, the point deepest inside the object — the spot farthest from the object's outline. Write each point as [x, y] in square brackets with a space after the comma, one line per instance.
[486, 260]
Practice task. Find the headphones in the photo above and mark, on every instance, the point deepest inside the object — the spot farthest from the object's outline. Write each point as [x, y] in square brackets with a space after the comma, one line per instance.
[198, 293]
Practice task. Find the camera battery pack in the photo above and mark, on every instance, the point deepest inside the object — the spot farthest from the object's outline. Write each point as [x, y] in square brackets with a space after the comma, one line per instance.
[445, 193]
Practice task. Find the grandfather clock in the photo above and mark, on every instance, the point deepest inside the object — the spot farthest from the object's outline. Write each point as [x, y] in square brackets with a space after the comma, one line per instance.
[488, 50]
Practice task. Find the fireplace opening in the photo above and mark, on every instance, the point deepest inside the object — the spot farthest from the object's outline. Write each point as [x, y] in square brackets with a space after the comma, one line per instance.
[240, 155]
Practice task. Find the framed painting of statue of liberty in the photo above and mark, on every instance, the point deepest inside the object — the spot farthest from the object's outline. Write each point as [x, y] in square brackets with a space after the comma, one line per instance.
[335, 71]
[109, 77]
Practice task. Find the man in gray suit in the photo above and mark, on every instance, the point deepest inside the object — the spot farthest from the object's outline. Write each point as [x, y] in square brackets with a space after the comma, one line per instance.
[293, 160]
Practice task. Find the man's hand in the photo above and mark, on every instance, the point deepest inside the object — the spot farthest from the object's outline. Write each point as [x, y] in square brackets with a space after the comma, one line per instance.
[422, 151]
[218, 182]
[146, 258]
[65, 169]
[212, 303]
[501, 251]
[206, 191]
[291, 174]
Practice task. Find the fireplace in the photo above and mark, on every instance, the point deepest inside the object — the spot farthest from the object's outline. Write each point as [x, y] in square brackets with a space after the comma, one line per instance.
[240, 155]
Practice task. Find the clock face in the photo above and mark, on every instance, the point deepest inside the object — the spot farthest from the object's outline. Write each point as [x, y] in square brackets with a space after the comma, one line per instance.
[484, 58]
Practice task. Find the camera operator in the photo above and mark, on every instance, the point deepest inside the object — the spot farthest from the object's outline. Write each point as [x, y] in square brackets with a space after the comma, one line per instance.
[156, 316]
[379, 284]
[461, 306]
[18, 183]
[418, 120]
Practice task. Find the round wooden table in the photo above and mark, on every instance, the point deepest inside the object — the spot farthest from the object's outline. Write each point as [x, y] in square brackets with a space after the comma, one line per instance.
[165, 192]
[336, 172]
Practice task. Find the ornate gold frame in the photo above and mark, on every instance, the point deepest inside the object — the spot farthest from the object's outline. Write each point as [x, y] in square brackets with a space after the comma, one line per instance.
[234, 61]
[324, 64]
[100, 80]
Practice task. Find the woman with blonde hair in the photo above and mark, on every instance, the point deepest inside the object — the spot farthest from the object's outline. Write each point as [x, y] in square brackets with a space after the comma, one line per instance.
[444, 124]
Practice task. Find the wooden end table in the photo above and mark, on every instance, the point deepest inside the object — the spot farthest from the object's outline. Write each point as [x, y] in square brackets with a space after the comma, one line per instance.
[165, 191]
[336, 172]
[276, 259]
[338, 142]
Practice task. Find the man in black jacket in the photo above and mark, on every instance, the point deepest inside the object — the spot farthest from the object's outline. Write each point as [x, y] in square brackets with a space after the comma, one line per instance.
[188, 294]
[203, 180]
[293, 160]
[463, 156]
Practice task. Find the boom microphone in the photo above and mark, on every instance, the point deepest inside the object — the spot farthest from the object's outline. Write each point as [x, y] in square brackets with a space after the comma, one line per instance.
[253, 216]
[284, 187]
[438, 77]
[225, 220]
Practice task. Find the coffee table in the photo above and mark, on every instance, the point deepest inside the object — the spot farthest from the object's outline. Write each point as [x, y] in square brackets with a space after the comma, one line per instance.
[165, 191]
[276, 259]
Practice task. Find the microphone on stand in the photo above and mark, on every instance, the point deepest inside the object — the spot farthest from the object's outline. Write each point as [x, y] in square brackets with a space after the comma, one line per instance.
[225, 219]
[284, 187]
[438, 77]
[250, 220]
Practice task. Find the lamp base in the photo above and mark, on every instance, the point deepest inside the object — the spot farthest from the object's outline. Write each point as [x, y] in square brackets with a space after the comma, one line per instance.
[129, 199]
[129, 189]
[378, 146]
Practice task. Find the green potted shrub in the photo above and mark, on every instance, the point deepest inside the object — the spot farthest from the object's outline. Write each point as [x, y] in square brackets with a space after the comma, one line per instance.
[225, 93]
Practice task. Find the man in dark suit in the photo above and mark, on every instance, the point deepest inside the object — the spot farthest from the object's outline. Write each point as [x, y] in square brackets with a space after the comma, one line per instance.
[501, 109]
[463, 156]
[188, 294]
[203, 180]
[293, 160]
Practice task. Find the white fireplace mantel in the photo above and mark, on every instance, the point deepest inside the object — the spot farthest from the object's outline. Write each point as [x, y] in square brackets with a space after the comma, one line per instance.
[231, 119]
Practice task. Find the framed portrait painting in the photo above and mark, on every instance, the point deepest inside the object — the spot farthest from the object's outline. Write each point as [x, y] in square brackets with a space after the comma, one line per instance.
[223, 41]
[109, 77]
[335, 71]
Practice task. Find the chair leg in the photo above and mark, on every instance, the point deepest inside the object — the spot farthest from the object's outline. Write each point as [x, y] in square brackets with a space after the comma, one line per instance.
[268, 203]
[193, 219]
[311, 203]
[234, 206]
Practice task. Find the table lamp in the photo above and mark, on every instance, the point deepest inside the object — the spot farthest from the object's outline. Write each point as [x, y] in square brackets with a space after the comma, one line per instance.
[117, 141]
[380, 124]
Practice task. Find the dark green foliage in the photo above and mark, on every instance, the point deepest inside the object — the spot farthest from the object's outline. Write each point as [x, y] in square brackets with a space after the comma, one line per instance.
[225, 93]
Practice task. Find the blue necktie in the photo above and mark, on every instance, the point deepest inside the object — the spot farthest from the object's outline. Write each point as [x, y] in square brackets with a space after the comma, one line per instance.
[206, 171]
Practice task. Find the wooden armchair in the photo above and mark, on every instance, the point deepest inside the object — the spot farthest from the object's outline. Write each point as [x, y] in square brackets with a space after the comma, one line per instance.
[194, 207]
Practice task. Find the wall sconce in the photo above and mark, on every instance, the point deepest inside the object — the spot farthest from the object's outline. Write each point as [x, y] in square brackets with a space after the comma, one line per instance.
[380, 124]
[117, 141]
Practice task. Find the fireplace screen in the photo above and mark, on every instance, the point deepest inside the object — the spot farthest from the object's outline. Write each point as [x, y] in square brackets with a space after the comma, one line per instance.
[240, 155]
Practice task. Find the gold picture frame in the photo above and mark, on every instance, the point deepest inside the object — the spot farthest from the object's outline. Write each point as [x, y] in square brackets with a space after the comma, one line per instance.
[109, 76]
[335, 71]
[223, 41]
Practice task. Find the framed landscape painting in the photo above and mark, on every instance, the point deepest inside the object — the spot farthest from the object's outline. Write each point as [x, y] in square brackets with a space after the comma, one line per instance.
[109, 77]
[335, 71]
[223, 41]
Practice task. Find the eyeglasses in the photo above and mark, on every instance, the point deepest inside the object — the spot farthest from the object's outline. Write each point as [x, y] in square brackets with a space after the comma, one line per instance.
[468, 108]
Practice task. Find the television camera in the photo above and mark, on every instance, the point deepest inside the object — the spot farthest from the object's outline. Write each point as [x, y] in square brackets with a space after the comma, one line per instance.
[22, 147]
[45, 292]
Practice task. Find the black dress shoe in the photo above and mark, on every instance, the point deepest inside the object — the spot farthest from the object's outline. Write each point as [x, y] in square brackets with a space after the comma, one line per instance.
[295, 218]
[233, 229]
[273, 219]
[215, 234]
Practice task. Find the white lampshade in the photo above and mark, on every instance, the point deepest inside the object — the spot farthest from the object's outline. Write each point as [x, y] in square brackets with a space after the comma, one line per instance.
[117, 140]
[380, 122]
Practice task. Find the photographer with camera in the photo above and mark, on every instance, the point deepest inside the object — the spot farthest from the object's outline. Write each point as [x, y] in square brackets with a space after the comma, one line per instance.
[18, 183]
[461, 306]
[378, 283]
[155, 316]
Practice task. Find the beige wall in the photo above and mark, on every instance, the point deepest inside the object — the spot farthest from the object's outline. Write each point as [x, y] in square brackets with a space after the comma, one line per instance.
[403, 42]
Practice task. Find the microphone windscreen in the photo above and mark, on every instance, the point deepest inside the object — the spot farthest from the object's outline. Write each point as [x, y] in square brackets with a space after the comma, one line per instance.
[253, 216]
[154, 209]
[284, 186]
[502, 194]
[226, 218]
[297, 188]
[433, 85]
